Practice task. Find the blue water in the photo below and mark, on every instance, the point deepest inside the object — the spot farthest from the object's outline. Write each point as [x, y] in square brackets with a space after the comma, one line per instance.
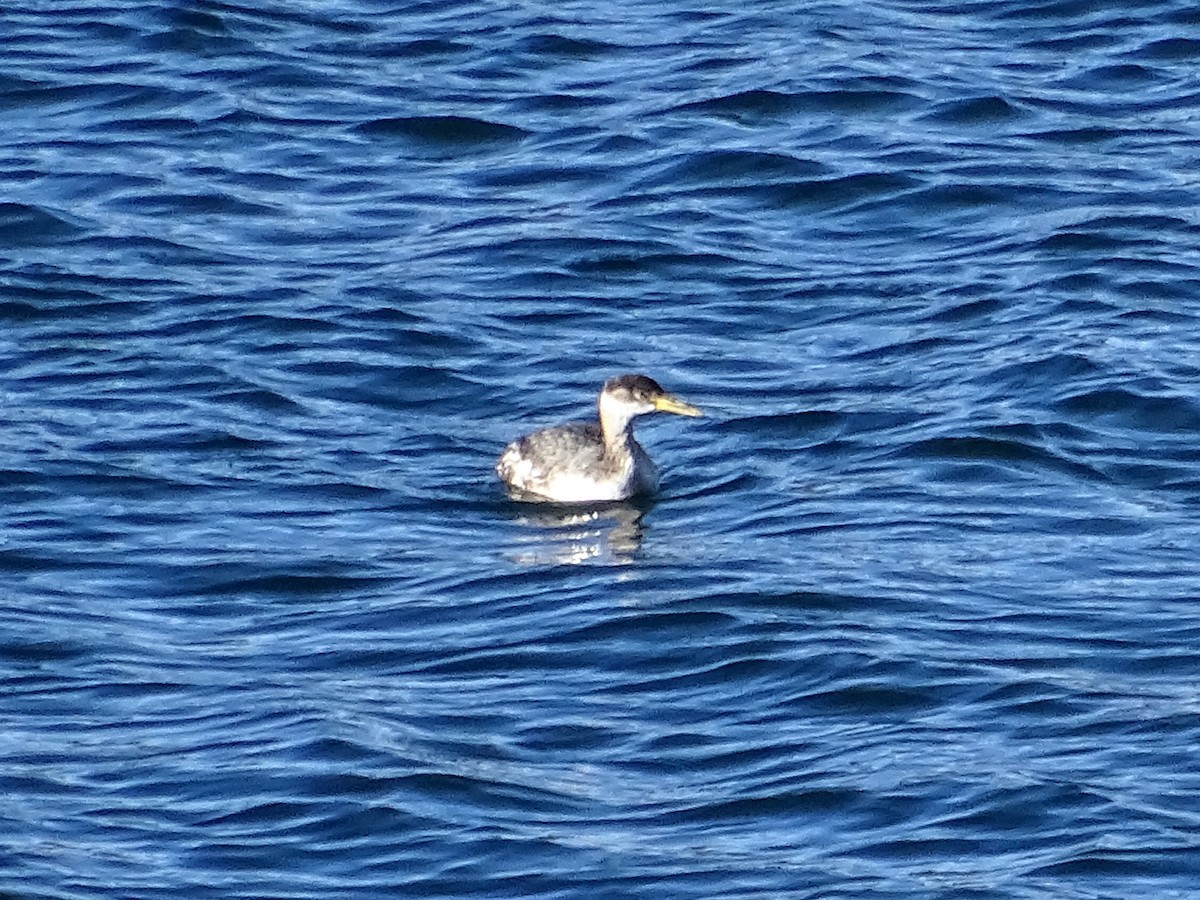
[915, 614]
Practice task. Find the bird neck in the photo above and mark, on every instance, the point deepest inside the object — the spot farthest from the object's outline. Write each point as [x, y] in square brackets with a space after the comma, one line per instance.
[616, 423]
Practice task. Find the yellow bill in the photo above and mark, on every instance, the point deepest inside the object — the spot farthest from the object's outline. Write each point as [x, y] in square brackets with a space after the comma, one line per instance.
[667, 403]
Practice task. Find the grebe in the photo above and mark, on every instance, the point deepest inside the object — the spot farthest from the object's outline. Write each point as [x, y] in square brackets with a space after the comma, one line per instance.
[591, 462]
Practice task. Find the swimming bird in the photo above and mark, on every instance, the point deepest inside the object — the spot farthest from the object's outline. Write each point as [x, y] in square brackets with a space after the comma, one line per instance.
[591, 462]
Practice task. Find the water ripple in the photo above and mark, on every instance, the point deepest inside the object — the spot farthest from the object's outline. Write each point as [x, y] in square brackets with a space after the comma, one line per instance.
[913, 612]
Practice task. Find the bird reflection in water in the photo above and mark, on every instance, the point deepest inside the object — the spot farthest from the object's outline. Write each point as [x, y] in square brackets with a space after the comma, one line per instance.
[608, 535]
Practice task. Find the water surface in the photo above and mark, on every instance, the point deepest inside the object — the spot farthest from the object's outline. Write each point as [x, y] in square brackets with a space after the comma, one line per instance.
[914, 614]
